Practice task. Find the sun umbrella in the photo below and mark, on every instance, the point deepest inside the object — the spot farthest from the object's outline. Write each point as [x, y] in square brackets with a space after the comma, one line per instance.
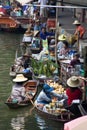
[23, 2]
[77, 124]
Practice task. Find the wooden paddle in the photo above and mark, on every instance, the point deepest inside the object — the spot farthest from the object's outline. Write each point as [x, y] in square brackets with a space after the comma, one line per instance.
[82, 110]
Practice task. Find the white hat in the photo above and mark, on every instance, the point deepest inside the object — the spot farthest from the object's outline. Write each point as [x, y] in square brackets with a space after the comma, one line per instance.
[73, 81]
[20, 78]
[76, 22]
[62, 37]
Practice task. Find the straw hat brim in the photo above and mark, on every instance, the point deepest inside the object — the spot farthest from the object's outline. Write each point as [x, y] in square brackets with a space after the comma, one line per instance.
[28, 34]
[36, 32]
[20, 78]
[62, 38]
[25, 55]
[73, 82]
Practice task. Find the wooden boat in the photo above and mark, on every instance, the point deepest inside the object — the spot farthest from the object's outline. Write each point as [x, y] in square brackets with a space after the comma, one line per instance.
[8, 23]
[60, 117]
[78, 109]
[12, 24]
[19, 70]
[31, 90]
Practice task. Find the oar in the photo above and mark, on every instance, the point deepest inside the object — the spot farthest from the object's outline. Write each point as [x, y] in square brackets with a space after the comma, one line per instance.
[30, 100]
[82, 110]
[16, 55]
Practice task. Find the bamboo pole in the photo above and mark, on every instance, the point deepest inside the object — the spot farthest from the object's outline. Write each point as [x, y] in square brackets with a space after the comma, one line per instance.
[56, 35]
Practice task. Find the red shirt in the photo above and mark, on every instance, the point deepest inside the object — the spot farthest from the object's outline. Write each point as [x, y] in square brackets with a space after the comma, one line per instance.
[72, 95]
[81, 31]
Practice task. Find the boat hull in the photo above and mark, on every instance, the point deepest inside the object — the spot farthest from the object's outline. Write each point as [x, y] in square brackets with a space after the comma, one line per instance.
[64, 117]
[30, 86]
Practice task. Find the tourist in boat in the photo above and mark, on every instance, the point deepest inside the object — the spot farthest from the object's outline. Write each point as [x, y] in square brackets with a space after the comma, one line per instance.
[73, 91]
[75, 61]
[80, 30]
[18, 90]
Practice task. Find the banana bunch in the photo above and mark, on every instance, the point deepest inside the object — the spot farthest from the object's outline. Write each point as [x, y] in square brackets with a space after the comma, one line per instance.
[44, 67]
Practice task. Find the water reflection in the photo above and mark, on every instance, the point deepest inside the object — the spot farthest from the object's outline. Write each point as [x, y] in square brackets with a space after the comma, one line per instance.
[47, 124]
[41, 123]
[18, 123]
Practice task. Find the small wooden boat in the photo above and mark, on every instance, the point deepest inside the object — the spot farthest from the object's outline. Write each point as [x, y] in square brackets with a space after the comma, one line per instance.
[7, 23]
[19, 70]
[61, 117]
[14, 24]
[31, 90]
[78, 109]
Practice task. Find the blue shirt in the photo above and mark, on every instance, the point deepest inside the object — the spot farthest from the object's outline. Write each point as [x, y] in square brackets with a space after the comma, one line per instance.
[46, 34]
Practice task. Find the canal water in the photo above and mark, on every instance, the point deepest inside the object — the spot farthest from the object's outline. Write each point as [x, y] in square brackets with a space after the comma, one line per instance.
[18, 119]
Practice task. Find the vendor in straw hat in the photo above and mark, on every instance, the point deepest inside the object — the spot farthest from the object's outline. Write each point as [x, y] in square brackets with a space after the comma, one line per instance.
[62, 39]
[63, 52]
[18, 90]
[24, 59]
[73, 91]
[80, 30]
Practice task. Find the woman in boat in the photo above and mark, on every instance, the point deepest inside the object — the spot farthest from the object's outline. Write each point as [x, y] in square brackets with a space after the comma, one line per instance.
[63, 53]
[73, 91]
[61, 41]
[75, 61]
[80, 30]
[23, 61]
[45, 96]
[18, 90]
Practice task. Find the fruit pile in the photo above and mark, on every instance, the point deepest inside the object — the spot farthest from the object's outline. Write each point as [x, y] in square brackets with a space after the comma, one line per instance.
[46, 68]
[59, 89]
